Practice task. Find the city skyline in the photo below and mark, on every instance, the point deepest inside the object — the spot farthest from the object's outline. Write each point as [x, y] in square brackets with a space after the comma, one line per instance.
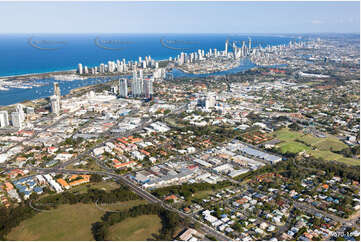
[197, 17]
[180, 121]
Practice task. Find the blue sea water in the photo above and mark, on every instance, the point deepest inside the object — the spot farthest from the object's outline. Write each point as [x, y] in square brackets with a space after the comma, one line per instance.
[40, 53]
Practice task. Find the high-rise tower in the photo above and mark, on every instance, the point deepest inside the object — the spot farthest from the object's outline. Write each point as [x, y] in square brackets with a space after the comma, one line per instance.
[123, 87]
[80, 68]
[56, 89]
[148, 88]
[55, 104]
[4, 119]
[226, 47]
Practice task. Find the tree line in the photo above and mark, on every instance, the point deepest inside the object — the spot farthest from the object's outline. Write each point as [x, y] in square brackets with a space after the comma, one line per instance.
[291, 169]
[12, 217]
[186, 190]
[117, 195]
[170, 221]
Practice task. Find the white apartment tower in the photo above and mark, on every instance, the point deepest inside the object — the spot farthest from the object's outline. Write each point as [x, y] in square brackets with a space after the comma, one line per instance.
[226, 47]
[123, 88]
[4, 119]
[55, 104]
[80, 68]
[16, 120]
[148, 88]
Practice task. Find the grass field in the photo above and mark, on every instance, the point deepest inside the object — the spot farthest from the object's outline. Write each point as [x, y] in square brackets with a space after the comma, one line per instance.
[104, 185]
[328, 155]
[138, 228]
[67, 222]
[293, 147]
[203, 194]
[295, 142]
[287, 135]
[309, 139]
[330, 144]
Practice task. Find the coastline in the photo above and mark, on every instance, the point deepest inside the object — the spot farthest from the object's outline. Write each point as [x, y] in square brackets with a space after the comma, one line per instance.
[71, 71]
[40, 74]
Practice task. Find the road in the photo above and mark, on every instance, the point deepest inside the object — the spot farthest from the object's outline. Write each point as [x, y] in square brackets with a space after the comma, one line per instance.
[139, 191]
[153, 199]
[144, 193]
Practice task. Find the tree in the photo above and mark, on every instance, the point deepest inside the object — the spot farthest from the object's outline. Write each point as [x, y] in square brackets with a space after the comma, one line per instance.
[211, 237]
[95, 178]
[98, 230]
[294, 126]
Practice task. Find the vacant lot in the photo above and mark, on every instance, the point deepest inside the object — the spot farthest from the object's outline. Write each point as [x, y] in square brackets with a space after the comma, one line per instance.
[67, 222]
[138, 228]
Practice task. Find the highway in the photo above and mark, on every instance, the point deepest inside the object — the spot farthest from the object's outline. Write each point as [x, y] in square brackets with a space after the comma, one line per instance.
[153, 199]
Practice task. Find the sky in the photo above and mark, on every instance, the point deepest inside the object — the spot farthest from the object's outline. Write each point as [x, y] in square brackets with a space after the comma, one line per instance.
[180, 17]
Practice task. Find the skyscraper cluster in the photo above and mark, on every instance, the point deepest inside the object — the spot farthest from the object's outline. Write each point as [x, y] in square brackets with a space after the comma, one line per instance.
[17, 117]
[243, 51]
[238, 52]
[119, 66]
[141, 87]
[262, 54]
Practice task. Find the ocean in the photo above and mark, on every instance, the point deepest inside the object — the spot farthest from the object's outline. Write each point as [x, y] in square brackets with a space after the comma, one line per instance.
[40, 53]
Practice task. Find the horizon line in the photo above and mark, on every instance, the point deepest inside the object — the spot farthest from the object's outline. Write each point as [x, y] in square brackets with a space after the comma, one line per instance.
[288, 33]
